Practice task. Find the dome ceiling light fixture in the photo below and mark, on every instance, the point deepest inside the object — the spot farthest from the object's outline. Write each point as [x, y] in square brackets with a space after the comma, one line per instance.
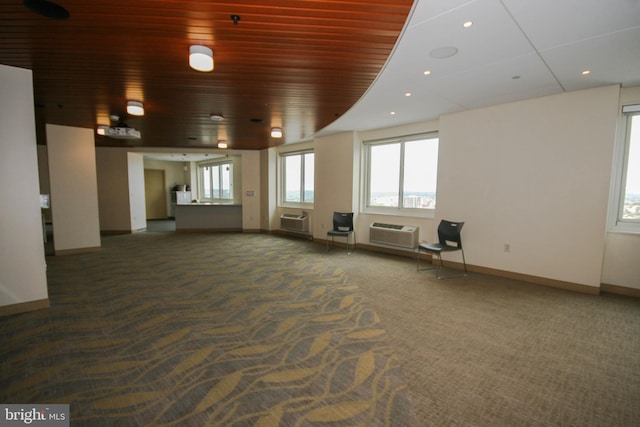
[223, 144]
[276, 132]
[201, 58]
[217, 117]
[135, 108]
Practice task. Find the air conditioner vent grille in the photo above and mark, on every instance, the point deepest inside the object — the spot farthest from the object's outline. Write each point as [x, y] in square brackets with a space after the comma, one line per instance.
[404, 236]
[295, 223]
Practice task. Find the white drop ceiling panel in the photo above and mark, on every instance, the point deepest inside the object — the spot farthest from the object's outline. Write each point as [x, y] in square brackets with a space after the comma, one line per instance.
[552, 23]
[548, 43]
[614, 58]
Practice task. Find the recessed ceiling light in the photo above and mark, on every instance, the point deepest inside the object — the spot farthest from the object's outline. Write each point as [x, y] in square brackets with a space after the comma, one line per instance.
[393, 113]
[467, 24]
[407, 94]
[586, 72]
[427, 72]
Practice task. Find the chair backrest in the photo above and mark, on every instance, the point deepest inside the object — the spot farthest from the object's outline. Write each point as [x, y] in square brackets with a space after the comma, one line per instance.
[449, 232]
[343, 221]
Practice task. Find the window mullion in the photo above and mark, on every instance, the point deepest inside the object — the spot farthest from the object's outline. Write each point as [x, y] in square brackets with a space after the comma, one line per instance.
[401, 177]
[220, 181]
[212, 183]
[302, 178]
[625, 165]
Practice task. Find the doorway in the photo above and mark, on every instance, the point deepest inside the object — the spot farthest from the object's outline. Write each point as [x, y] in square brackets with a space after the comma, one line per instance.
[155, 194]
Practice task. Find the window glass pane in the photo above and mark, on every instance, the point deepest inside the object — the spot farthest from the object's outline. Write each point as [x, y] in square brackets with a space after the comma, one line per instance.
[215, 178]
[384, 175]
[309, 174]
[631, 208]
[292, 171]
[420, 174]
[226, 171]
[206, 182]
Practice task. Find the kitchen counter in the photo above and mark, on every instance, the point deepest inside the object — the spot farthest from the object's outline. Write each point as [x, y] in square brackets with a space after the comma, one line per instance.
[208, 217]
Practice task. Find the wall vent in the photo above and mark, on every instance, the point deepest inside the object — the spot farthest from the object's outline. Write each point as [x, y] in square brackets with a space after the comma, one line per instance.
[295, 223]
[404, 236]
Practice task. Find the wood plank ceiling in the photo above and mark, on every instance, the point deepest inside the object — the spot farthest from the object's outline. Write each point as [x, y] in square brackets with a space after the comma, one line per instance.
[295, 64]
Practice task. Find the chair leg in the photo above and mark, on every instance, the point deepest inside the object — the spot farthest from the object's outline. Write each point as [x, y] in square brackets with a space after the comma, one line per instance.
[455, 275]
[418, 263]
[332, 242]
[464, 262]
[354, 243]
[349, 246]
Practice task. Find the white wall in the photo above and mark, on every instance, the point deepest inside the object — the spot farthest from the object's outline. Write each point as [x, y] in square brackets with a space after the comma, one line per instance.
[268, 205]
[621, 266]
[535, 175]
[74, 189]
[121, 198]
[113, 189]
[22, 261]
[137, 204]
[336, 161]
[251, 183]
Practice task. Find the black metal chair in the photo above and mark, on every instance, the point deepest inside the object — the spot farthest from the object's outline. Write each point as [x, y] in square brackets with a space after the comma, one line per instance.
[342, 227]
[449, 240]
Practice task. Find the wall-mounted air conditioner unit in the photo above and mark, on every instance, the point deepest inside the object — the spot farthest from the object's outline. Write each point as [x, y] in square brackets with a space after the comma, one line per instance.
[295, 223]
[404, 236]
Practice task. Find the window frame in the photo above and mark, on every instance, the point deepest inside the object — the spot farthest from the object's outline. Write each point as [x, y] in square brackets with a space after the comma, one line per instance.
[366, 173]
[219, 163]
[621, 164]
[283, 179]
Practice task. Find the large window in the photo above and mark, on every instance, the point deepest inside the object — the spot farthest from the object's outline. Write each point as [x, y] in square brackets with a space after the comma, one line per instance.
[401, 174]
[297, 178]
[628, 206]
[216, 181]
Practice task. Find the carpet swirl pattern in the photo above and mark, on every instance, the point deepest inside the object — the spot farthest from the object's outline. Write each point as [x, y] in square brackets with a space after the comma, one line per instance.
[204, 329]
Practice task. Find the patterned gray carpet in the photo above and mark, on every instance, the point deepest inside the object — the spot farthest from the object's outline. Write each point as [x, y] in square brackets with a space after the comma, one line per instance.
[240, 329]
[487, 351]
[204, 329]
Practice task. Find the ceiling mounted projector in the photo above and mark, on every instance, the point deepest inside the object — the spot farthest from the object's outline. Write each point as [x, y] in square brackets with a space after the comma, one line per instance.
[120, 131]
[123, 133]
